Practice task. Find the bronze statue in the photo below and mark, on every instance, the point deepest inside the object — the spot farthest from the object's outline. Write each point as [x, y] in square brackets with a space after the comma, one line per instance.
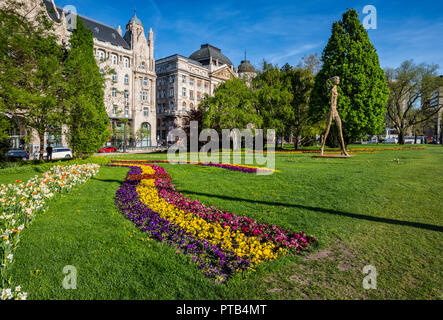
[333, 115]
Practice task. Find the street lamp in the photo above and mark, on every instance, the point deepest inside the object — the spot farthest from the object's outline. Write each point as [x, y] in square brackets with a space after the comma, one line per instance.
[125, 120]
[124, 138]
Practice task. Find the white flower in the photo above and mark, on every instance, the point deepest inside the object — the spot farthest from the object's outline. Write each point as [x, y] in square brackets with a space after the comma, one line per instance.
[22, 295]
[6, 294]
[10, 257]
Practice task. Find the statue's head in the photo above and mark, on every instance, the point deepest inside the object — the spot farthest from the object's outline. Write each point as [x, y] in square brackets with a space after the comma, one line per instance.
[335, 80]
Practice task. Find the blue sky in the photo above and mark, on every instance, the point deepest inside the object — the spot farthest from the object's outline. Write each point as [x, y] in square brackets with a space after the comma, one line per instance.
[278, 31]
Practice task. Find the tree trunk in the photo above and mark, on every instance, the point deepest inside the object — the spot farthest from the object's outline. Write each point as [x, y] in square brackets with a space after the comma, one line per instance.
[401, 137]
[297, 142]
[42, 145]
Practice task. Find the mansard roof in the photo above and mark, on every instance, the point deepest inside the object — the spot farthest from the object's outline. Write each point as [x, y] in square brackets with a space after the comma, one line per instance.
[208, 51]
[246, 66]
[105, 33]
[99, 30]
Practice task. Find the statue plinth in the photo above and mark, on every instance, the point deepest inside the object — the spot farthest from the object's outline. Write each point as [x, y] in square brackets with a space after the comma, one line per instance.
[333, 156]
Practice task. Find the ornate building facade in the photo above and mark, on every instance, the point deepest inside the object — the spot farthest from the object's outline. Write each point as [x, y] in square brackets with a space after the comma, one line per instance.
[183, 82]
[130, 89]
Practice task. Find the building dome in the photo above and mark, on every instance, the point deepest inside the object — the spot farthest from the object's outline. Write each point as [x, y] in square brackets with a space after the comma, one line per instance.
[206, 52]
[135, 19]
[246, 66]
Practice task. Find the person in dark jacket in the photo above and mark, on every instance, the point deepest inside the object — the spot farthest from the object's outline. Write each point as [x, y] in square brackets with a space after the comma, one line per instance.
[49, 152]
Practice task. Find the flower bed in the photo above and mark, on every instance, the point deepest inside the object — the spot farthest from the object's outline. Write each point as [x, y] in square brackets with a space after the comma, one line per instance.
[220, 242]
[232, 167]
[21, 202]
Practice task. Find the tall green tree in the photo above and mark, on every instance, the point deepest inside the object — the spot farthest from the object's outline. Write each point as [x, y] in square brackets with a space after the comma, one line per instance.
[231, 106]
[363, 91]
[301, 81]
[273, 97]
[5, 126]
[88, 122]
[31, 69]
[411, 88]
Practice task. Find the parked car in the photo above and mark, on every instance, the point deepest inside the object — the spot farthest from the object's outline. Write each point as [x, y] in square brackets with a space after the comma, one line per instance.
[17, 155]
[390, 140]
[107, 149]
[59, 153]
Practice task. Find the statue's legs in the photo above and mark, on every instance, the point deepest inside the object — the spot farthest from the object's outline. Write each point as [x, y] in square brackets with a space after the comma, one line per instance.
[342, 141]
[328, 127]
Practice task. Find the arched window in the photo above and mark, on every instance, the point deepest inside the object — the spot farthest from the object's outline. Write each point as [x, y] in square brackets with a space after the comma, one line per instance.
[126, 62]
[114, 77]
[184, 106]
[143, 65]
[114, 59]
[126, 79]
[144, 134]
[191, 105]
[145, 81]
[101, 54]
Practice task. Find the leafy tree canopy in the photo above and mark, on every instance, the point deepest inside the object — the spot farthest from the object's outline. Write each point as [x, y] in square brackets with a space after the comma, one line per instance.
[411, 89]
[273, 97]
[231, 106]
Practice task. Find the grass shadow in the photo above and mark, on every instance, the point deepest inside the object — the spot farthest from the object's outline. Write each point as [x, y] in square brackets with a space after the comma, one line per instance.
[328, 211]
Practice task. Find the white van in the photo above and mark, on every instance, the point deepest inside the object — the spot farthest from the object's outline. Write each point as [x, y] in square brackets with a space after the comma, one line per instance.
[59, 153]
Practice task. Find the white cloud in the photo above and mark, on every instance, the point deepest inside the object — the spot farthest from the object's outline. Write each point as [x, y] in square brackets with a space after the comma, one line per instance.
[276, 58]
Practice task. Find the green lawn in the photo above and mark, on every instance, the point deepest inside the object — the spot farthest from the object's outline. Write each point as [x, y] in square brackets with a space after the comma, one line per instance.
[383, 209]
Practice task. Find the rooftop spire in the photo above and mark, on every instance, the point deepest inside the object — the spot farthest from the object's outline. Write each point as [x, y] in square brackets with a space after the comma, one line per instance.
[135, 19]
